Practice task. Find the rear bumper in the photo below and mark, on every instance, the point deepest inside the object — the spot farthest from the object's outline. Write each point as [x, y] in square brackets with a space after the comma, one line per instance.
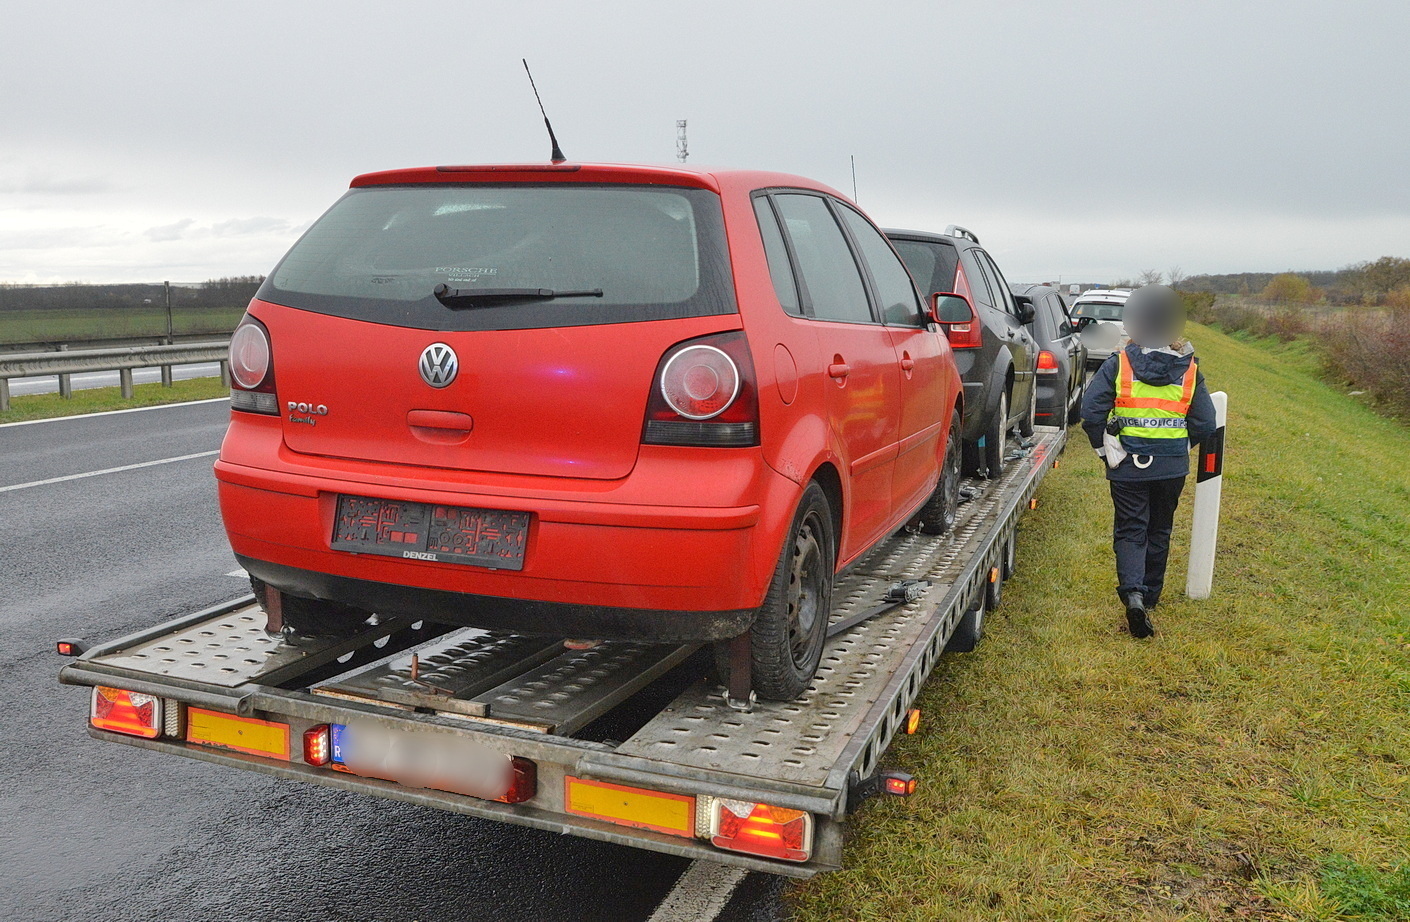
[623, 560]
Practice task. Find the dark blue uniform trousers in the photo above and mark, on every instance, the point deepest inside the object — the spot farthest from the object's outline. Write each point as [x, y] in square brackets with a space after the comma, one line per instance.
[1145, 512]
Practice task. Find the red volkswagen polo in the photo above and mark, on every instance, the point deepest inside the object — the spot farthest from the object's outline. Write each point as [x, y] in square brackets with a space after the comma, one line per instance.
[592, 401]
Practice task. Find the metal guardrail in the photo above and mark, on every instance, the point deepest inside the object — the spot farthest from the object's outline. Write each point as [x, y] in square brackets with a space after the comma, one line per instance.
[121, 360]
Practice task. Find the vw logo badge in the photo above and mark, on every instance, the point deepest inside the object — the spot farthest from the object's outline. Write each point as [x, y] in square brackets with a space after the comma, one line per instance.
[438, 365]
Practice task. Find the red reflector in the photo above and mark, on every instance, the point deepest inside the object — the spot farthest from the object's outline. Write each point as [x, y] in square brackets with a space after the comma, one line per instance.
[126, 712]
[317, 748]
[525, 784]
[1047, 363]
[761, 829]
[1211, 463]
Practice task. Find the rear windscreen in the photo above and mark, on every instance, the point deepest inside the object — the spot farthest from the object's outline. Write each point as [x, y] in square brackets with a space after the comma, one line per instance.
[1097, 310]
[378, 254]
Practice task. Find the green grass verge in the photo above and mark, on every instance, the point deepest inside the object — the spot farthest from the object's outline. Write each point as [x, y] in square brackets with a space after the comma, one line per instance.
[39, 326]
[100, 399]
[1250, 761]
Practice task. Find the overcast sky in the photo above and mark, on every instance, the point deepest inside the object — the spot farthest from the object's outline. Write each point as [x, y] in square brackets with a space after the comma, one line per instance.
[183, 140]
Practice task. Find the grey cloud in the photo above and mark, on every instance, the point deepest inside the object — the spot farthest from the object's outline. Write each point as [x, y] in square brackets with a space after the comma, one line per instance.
[168, 232]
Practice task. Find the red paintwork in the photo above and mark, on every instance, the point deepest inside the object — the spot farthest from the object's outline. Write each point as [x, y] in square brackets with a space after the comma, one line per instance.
[616, 522]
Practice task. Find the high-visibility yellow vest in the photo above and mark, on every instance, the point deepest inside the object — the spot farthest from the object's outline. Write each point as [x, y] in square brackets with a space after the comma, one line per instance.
[1149, 411]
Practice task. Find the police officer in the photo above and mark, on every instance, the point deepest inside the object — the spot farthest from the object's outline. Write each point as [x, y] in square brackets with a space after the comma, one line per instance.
[1145, 408]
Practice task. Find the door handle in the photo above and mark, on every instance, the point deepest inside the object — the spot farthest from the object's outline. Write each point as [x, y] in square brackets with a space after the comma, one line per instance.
[907, 363]
[839, 370]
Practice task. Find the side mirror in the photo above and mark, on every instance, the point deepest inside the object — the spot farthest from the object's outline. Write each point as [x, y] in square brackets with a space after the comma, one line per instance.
[948, 307]
[1025, 312]
[1084, 322]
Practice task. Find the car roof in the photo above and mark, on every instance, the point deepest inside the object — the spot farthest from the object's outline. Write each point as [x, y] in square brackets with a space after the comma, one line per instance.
[1030, 291]
[714, 179]
[1107, 295]
[927, 236]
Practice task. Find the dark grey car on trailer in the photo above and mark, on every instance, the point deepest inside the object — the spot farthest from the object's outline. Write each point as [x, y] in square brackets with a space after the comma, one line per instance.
[987, 328]
[1062, 356]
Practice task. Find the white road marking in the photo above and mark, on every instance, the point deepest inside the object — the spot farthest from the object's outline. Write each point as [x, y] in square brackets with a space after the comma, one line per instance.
[239, 574]
[111, 470]
[700, 893]
[159, 406]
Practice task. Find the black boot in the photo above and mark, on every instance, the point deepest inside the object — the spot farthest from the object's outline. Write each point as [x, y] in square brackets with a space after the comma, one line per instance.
[1136, 617]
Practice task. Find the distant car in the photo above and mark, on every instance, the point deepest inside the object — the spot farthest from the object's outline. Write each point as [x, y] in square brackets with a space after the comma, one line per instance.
[996, 353]
[1062, 358]
[590, 401]
[1098, 314]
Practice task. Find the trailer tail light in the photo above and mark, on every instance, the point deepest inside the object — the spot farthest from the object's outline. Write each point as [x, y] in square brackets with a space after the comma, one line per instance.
[899, 784]
[761, 829]
[525, 784]
[318, 747]
[1047, 363]
[252, 369]
[704, 394]
[126, 712]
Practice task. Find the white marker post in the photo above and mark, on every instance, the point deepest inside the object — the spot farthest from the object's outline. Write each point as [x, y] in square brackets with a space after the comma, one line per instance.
[1209, 487]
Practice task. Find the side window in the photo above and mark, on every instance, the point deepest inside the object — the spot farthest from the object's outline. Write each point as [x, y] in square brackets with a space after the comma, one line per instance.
[1003, 298]
[780, 269]
[894, 288]
[979, 284]
[1056, 315]
[830, 274]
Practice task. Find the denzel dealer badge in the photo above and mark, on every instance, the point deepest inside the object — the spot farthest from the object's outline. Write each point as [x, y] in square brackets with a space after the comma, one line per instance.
[438, 365]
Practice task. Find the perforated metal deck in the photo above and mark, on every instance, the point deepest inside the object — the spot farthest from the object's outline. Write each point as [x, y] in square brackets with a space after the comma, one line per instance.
[805, 741]
[234, 649]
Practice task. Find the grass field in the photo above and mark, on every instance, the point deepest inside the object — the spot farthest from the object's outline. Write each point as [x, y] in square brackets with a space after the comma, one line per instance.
[37, 326]
[1249, 762]
[99, 399]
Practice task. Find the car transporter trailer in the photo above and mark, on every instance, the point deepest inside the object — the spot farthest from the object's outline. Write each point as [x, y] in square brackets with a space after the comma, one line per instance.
[521, 729]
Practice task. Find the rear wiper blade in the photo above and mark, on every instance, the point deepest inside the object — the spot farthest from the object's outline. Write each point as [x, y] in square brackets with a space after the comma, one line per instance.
[472, 296]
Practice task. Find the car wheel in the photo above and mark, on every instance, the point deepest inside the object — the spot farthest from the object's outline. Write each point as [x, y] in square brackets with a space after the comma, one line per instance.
[1025, 425]
[994, 588]
[791, 626]
[312, 617]
[1010, 562]
[969, 631]
[995, 440]
[938, 514]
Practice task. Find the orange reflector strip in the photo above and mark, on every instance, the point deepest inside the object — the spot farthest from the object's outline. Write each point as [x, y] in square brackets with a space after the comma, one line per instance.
[1033, 503]
[912, 720]
[673, 814]
[993, 574]
[242, 734]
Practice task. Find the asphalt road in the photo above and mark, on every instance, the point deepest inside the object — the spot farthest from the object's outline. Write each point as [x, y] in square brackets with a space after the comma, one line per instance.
[49, 384]
[99, 831]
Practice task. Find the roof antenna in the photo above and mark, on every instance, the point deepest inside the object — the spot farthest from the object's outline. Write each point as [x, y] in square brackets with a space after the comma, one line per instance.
[557, 155]
[854, 178]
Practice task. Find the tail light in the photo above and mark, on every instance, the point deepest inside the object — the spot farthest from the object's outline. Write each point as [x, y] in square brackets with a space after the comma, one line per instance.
[704, 394]
[252, 369]
[761, 829]
[1047, 363]
[126, 712]
[318, 747]
[962, 333]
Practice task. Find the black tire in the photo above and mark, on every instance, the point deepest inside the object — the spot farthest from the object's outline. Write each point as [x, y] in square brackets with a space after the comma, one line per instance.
[968, 632]
[994, 589]
[1009, 566]
[1025, 425]
[938, 514]
[791, 626]
[313, 617]
[996, 440]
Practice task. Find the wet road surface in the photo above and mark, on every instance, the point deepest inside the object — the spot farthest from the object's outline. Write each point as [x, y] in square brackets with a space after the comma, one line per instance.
[100, 831]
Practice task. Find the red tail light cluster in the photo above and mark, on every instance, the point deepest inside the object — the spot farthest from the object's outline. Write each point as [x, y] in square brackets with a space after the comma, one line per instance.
[252, 369]
[964, 333]
[761, 829]
[1047, 363]
[704, 394]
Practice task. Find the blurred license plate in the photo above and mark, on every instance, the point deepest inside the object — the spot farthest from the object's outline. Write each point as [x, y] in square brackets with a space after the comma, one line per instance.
[428, 531]
[422, 760]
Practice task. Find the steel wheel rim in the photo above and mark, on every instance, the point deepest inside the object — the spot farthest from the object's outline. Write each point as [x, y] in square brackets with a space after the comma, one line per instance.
[805, 589]
[952, 477]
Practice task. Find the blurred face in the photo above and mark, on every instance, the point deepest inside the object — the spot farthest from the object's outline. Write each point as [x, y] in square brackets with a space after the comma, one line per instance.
[1154, 317]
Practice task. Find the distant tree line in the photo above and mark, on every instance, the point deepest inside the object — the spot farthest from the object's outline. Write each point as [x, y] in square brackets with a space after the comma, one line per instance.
[235, 291]
[1385, 281]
